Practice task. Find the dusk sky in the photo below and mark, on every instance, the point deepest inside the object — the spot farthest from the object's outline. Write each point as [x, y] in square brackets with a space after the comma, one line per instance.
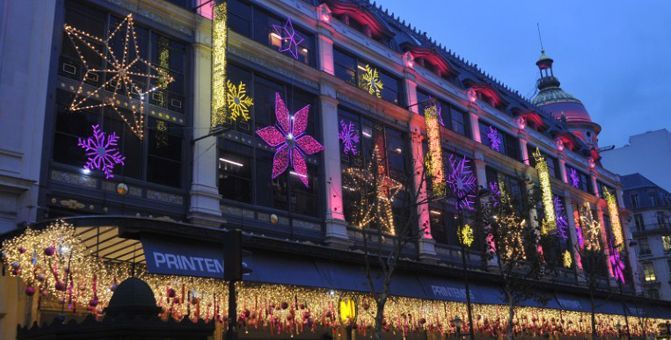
[615, 56]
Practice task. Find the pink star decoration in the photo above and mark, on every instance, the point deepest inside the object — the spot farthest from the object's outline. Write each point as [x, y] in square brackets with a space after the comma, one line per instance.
[288, 138]
[290, 38]
[102, 151]
[616, 264]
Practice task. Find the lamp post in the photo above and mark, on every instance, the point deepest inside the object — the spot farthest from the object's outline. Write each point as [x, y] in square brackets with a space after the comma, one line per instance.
[457, 324]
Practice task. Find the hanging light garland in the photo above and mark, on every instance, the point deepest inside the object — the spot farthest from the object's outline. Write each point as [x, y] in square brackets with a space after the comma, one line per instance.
[55, 263]
[436, 167]
[549, 223]
[122, 71]
[614, 214]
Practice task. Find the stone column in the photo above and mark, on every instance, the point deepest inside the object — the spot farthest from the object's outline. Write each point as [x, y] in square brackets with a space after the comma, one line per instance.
[480, 169]
[426, 243]
[336, 226]
[475, 125]
[326, 54]
[524, 150]
[562, 168]
[205, 198]
[595, 186]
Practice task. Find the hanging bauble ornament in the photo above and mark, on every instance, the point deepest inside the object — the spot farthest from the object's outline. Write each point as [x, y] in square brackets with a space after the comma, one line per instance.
[40, 277]
[171, 293]
[93, 302]
[22, 250]
[114, 286]
[274, 219]
[16, 265]
[285, 305]
[30, 291]
[50, 251]
[122, 189]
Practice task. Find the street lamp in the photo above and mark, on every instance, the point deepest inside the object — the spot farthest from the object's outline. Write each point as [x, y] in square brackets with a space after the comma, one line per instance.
[457, 324]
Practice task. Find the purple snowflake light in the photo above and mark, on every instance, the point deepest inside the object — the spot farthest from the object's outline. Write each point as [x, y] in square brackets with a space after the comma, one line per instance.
[102, 151]
[495, 140]
[290, 38]
[288, 138]
[574, 178]
[578, 230]
[349, 137]
[562, 223]
[616, 264]
[461, 182]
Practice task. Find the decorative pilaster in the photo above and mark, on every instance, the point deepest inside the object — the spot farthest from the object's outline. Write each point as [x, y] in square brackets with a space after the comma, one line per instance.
[475, 124]
[562, 168]
[426, 242]
[336, 226]
[480, 169]
[524, 150]
[205, 207]
[326, 54]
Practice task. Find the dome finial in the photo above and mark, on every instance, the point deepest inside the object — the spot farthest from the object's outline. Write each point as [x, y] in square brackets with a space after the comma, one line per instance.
[540, 38]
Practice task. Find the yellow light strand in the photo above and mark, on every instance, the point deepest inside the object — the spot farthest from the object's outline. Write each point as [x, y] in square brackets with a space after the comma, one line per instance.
[549, 223]
[219, 38]
[614, 214]
[435, 151]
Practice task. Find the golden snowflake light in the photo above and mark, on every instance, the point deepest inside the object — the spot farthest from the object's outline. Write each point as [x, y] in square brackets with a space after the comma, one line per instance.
[466, 235]
[614, 214]
[125, 71]
[219, 39]
[370, 81]
[435, 161]
[377, 191]
[567, 259]
[549, 220]
[237, 101]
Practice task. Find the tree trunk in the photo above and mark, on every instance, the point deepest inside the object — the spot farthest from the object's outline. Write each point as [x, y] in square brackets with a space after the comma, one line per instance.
[379, 316]
[511, 314]
[591, 300]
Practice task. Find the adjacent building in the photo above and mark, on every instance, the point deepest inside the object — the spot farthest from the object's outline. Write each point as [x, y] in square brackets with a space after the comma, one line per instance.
[110, 150]
[648, 153]
[650, 212]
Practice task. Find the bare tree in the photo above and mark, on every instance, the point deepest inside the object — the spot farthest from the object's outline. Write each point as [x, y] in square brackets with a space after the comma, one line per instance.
[385, 234]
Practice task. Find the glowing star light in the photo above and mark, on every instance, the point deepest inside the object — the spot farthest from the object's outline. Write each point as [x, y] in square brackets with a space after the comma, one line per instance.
[125, 71]
[349, 137]
[290, 38]
[461, 182]
[495, 140]
[289, 140]
[370, 81]
[102, 151]
[574, 178]
[237, 101]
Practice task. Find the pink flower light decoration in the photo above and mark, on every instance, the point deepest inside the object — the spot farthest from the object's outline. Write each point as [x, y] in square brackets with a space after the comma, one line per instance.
[288, 138]
[102, 151]
[616, 264]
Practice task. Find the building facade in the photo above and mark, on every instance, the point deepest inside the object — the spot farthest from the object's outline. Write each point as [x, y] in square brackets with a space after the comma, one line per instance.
[318, 88]
[650, 208]
[636, 157]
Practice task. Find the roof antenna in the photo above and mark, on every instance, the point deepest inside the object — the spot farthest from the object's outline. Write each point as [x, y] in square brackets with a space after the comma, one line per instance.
[540, 38]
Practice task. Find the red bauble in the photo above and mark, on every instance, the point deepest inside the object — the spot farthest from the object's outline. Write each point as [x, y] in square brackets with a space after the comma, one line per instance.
[15, 272]
[171, 293]
[422, 321]
[30, 291]
[93, 302]
[176, 300]
[285, 305]
[49, 251]
[22, 250]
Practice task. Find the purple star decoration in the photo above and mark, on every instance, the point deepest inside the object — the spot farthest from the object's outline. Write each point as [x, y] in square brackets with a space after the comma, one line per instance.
[290, 38]
[102, 151]
[616, 264]
[579, 237]
[574, 178]
[289, 140]
[461, 182]
[562, 223]
[494, 139]
[349, 137]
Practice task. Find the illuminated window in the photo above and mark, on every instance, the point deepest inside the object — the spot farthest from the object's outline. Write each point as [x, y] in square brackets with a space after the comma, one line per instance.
[666, 243]
[649, 272]
[275, 40]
